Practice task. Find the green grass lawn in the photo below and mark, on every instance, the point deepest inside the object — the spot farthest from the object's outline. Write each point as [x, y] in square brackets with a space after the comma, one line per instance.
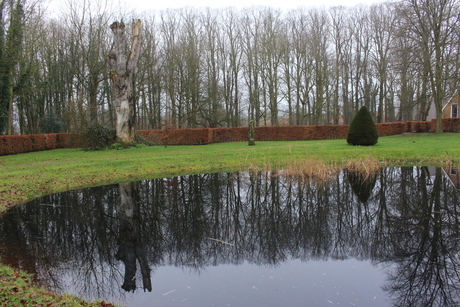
[27, 176]
[18, 289]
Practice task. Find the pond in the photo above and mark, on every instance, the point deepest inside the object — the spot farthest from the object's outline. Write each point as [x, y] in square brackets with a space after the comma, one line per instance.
[248, 239]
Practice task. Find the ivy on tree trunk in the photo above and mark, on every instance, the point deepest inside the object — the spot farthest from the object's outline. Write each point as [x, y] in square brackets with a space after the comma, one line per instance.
[122, 67]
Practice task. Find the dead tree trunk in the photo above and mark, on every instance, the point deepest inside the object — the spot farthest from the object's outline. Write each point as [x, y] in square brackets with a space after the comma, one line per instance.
[122, 69]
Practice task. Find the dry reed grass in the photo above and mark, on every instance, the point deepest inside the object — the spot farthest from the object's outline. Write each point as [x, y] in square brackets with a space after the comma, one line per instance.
[317, 170]
[368, 165]
[366, 168]
[306, 170]
[310, 170]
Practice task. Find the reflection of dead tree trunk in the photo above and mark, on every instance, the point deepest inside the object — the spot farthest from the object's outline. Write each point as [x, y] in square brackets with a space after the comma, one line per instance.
[130, 246]
[122, 67]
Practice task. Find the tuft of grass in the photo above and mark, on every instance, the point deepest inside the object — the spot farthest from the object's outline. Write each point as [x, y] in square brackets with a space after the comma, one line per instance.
[306, 170]
[367, 165]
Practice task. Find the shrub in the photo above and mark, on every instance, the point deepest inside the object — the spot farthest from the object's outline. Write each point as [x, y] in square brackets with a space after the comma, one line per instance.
[362, 130]
[52, 123]
[97, 137]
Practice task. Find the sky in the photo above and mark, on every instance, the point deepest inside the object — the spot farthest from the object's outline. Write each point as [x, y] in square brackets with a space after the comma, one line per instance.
[142, 5]
[146, 5]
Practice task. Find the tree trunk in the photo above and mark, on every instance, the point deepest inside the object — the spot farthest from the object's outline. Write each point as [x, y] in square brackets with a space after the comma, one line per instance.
[9, 124]
[122, 67]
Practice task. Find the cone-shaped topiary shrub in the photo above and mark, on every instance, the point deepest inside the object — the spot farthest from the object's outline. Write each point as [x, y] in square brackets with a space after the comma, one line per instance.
[362, 130]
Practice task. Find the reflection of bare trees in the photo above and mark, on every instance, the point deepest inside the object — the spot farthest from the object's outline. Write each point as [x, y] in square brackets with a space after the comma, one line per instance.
[71, 242]
[130, 248]
[409, 217]
[427, 260]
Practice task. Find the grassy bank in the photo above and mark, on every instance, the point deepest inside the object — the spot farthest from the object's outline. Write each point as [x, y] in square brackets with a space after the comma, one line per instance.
[27, 176]
[18, 289]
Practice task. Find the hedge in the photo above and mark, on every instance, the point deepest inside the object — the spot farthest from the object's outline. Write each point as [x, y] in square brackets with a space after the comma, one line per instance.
[177, 136]
[448, 125]
[384, 129]
[14, 144]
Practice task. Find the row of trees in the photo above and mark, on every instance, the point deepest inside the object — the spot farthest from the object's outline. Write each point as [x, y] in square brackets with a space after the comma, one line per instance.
[211, 68]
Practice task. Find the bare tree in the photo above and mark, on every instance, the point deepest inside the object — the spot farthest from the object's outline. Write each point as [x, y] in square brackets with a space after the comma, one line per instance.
[362, 81]
[382, 21]
[123, 66]
[272, 53]
[251, 45]
[211, 109]
[231, 45]
[339, 40]
[433, 24]
[301, 66]
[404, 55]
[86, 22]
[319, 41]
[10, 50]
[148, 78]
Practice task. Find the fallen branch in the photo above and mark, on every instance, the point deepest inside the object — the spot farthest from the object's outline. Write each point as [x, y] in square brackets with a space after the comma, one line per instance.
[220, 241]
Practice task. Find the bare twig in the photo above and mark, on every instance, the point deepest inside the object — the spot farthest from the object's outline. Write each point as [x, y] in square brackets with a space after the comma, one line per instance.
[220, 241]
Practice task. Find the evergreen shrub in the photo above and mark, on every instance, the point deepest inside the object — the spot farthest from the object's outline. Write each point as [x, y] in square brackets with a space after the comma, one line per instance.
[362, 130]
[97, 137]
[53, 123]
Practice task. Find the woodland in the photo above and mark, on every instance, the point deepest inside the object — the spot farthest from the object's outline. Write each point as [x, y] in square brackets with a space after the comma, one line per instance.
[203, 67]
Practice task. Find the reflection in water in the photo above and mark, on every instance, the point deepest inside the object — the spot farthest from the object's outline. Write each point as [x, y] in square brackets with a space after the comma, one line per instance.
[405, 217]
[362, 183]
[130, 245]
[426, 246]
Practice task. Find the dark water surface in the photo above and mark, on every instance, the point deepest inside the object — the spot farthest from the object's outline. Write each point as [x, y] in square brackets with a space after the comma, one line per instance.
[248, 239]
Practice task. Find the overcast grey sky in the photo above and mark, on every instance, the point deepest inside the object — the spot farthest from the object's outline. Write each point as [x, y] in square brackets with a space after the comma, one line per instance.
[142, 5]
[145, 5]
